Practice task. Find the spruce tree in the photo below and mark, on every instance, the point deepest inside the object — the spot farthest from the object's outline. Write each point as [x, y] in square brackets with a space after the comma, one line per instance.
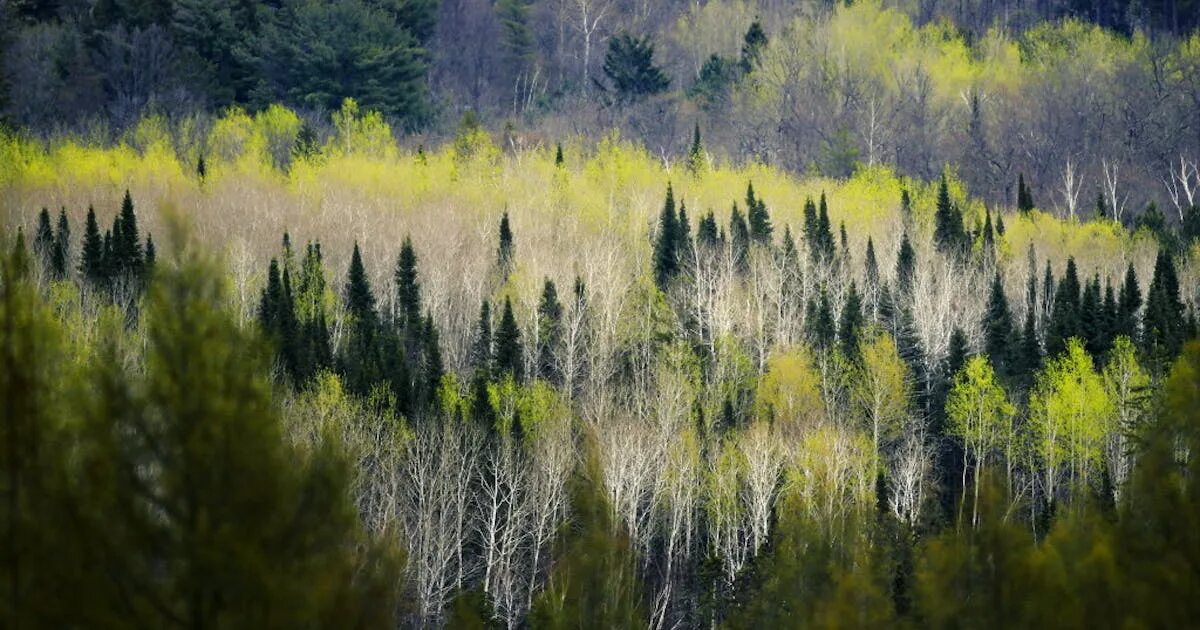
[683, 238]
[789, 253]
[1065, 319]
[91, 262]
[666, 255]
[1091, 318]
[998, 327]
[906, 268]
[753, 42]
[822, 331]
[760, 219]
[706, 233]
[1030, 359]
[949, 235]
[1024, 195]
[550, 312]
[127, 246]
[509, 358]
[1047, 295]
[824, 231]
[1110, 316]
[558, 156]
[43, 240]
[850, 326]
[481, 349]
[872, 266]
[696, 152]
[810, 227]
[362, 362]
[408, 290]
[739, 237]
[1128, 305]
[60, 261]
[432, 367]
[504, 252]
[1164, 326]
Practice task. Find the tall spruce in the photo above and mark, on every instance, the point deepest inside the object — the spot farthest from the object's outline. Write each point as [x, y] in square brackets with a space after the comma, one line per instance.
[906, 268]
[696, 159]
[1091, 318]
[362, 360]
[408, 290]
[707, 235]
[550, 313]
[43, 240]
[998, 327]
[509, 357]
[1164, 325]
[739, 237]
[126, 246]
[666, 243]
[1024, 195]
[1128, 304]
[91, 262]
[504, 251]
[1065, 319]
[822, 330]
[759, 218]
[948, 235]
[850, 326]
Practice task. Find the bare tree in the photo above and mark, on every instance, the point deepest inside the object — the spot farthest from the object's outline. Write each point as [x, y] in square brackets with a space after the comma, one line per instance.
[1072, 183]
[1183, 184]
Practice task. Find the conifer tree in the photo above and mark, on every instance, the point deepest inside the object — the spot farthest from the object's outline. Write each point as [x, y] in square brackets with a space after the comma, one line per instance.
[432, 367]
[362, 361]
[1024, 195]
[1163, 325]
[706, 233]
[1110, 314]
[824, 230]
[760, 219]
[1047, 295]
[91, 263]
[683, 240]
[1091, 318]
[60, 261]
[504, 252]
[1030, 359]
[989, 237]
[998, 327]
[791, 256]
[696, 152]
[127, 246]
[999, 224]
[666, 255]
[43, 240]
[872, 266]
[1128, 305]
[481, 349]
[549, 332]
[948, 234]
[559, 161]
[509, 358]
[739, 237]
[906, 267]
[850, 326]
[1065, 321]
[201, 169]
[408, 290]
[810, 226]
[822, 331]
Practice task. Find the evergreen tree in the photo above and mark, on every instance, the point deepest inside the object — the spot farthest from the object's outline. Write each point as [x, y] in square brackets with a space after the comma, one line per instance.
[683, 241]
[1091, 318]
[948, 234]
[127, 246]
[872, 266]
[753, 43]
[822, 330]
[509, 358]
[1110, 315]
[706, 233]
[481, 350]
[824, 231]
[1065, 319]
[151, 256]
[550, 312]
[906, 267]
[760, 219]
[666, 255]
[1030, 360]
[60, 261]
[558, 156]
[1128, 305]
[408, 289]
[810, 227]
[43, 240]
[505, 253]
[739, 237]
[432, 367]
[1164, 327]
[998, 327]
[1024, 195]
[629, 66]
[696, 159]
[999, 224]
[91, 263]
[362, 363]
[1047, 295]
[791, 257]
[850, 326]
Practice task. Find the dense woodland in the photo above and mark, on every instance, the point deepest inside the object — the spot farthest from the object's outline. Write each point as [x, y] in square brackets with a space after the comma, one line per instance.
[599, 314]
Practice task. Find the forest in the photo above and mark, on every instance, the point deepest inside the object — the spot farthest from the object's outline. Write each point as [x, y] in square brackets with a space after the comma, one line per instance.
[599, 314]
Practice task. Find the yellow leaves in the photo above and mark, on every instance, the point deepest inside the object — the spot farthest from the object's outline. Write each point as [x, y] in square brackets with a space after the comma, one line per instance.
[789, 394]
[365, 134]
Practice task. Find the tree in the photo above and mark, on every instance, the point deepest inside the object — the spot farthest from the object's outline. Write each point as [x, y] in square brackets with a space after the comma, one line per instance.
[998, 328]
[629, 66]
[752, 45]
[949, 234]
[789, 393]
[1069, 411]
[1065, 319]
[91, 263]
[1127, 386]
[822, 331]
[408, 288]
[980, 414]
[550, 314]
[666, 254]
[696, 159]
[505, 255]
[906, 267]
[1163, 325]
[1128, 304]
[739, 237]
[882, 390]
[1024, 195]
[759, 218]
[126, 244]
[362, 362]
[509, 358]
[850, 326]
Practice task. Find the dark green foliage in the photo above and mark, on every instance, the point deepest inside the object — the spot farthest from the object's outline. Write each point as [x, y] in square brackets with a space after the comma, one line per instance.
[316, 54]
[1128, 305]
[759, 218]
[91, 263]
[666, 243]
[906, 267]
[1024, 195]
[362, 361]
[948, 235]
[124, 259]
[201, 169]
[817, 231]
[871, 266]
[505, 254]
[1164, 328]
[752, 45]
[696, 158]
[1047, 293]
[707, 235]
[851, 323]
[558, 156]
[408, 288]
[998, 328]
[716, 77]
[43, 240]
[1092, 319]
[1189, 231]
[517, 37]
[1154, 221]
[60, 259]
[788, 251]
[739, 237]
[1029, 360]
[988, 235]
[629, 66]
[1065, 319]
[481, 350]
[509, 357]
[683, 238]
[432, 367]
[550, 313]
[821, 328]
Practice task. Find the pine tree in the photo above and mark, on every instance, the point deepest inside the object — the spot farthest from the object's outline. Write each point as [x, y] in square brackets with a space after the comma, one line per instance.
[824, 231]
[850, 326]
[906, 268]
[872, 266]
[683, 240]
[504, 253]
[408, 289]
[481, 350]
[752, 44]
[1024, 195]
[550, 312]
[1091, 318]
[666, 255]
[1065, 321]
[432, 367]
[998, 327]
[127, 246]
[706, 233]
[739, 237]
[91, 263]
[60, 261]
[696, 159]
[362, 362]
[43, 240]
[509, 358]
[1128, 305]
[760, 219]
